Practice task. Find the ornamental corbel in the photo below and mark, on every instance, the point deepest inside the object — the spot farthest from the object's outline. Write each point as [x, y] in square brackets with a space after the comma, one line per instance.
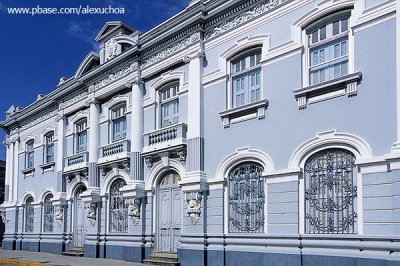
[3, 216]
[59, 215]
[194, 205]
[135, 81]
[92, 101]
[149, 162]
[91, 212]
[134, 210]
[182, 156]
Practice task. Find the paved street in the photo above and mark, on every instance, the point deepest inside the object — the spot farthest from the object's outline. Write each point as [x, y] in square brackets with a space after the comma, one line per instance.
[17, 257]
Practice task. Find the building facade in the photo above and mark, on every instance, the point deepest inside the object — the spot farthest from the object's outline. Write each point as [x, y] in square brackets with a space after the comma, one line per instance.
[235, 133]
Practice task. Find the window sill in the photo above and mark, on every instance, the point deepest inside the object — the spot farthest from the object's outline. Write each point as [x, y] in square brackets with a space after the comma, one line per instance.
[47, 166]
[28, 171]
[245, 112]
[345, 85]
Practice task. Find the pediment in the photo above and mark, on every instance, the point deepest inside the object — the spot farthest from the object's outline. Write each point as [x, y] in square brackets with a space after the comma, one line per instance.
[90, 62]
[113, 28]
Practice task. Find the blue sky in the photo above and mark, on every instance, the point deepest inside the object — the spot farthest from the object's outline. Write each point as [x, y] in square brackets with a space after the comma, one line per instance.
[36, 51]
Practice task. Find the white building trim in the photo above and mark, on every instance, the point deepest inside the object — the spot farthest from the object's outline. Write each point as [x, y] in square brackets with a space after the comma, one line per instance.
[162, 166]
[330, 139]
[111, 177]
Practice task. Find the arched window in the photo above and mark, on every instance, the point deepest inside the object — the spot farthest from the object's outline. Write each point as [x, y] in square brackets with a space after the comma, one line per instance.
[29, 215]
[246, 198]
[328, 44]
[169, 102]
[49, 148]
[330, 192]
[118, 122]
[118, 208]
[81, 135]
[246, 78]
[48, 214]
[30, 155]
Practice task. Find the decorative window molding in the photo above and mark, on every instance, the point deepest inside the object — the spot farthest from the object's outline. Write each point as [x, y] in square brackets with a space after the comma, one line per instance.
[245, 112]
[345, 85]
[328, 59]
[48, 148]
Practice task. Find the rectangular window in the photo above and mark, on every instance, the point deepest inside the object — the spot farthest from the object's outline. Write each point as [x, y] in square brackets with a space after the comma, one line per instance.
[246, 88]
[49, 148]
[170, 103]
[81, 136]
[29, 155]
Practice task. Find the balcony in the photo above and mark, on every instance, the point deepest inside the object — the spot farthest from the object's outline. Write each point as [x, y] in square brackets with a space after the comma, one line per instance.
[76, 161]
[171, 138]
[114, 152]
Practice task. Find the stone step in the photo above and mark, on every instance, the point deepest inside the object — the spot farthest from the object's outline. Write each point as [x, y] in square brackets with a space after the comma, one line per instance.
[163, 259]
[78, 252]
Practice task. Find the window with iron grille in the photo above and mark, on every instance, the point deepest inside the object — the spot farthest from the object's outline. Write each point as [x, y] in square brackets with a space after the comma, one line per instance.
[30, 153]
[246, 78]
[169, 100]
[81, 135]
[49, 148]
[29, 215]
[118, 208]
[48, 214]
[328, 43]
[330, 192]
[119, 125]
[246, 198]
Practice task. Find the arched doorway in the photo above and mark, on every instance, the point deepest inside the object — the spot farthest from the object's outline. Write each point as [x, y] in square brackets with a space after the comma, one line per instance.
[168, 212]
[79, 218]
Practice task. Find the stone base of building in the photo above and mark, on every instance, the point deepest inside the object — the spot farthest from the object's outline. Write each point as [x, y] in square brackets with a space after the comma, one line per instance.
[120, 252]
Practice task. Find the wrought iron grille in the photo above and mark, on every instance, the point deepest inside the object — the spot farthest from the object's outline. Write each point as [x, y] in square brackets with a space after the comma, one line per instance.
[118, 208]
[29, 215]
[330, 192]
[48, 213]
[246, 199]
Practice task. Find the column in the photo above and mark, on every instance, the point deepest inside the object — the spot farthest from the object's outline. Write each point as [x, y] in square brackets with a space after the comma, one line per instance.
[60, 151]
[396, 147]
[16, 171]
[136, 129]
[93, 142]
[8, 170]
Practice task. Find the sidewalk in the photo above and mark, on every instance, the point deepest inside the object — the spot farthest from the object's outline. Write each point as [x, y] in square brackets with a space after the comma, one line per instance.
[18, 257]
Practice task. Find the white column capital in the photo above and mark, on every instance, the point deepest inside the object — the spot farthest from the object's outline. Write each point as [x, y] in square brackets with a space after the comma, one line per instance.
[198, 54]
[135, 81]
[92, 101]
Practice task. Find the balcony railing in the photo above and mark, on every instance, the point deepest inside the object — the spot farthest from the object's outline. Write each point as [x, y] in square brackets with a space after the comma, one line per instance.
[76, 159]
[115, 151]
[165, 138]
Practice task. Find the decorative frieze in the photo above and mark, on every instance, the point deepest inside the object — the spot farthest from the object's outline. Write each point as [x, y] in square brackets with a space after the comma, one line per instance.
[195, 37]
[39, 119]
[114, 74]
[242, 18]
[73, 100]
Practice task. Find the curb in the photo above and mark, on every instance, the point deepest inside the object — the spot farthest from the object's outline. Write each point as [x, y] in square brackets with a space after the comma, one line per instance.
[20, 262]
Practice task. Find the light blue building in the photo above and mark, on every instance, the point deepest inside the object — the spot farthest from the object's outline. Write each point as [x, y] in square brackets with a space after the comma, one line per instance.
[235, 133]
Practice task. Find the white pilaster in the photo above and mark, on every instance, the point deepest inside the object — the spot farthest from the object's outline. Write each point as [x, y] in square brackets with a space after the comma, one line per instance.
[195, 95]
[137, 115]
[94, 133]
[8, 178]
[16, 171]
[60, 143]
[396, 147]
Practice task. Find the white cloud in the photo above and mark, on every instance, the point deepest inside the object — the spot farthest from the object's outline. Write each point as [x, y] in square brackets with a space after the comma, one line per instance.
[84, 31]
